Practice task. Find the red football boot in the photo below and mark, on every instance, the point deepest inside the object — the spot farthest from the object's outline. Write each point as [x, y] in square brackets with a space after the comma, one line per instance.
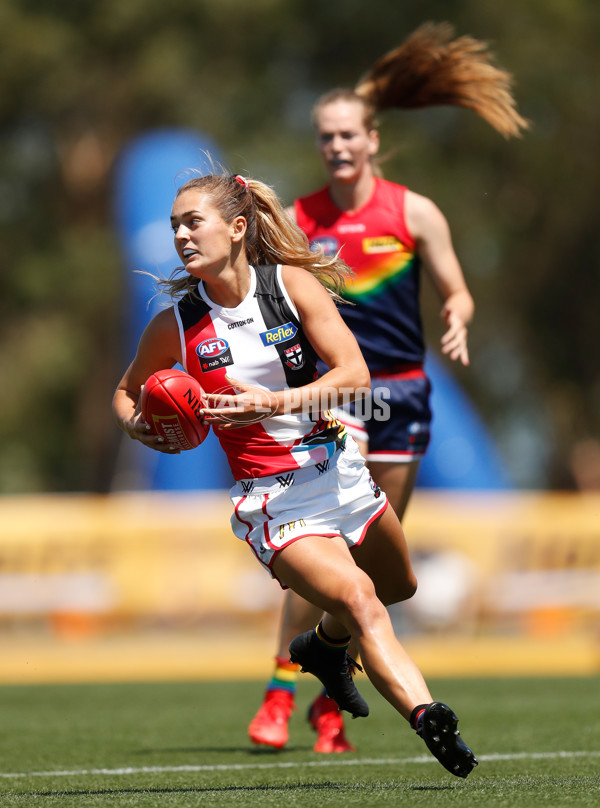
[326, 719]
[270, 724]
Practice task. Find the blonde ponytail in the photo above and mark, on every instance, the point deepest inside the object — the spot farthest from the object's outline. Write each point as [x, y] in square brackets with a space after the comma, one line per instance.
[283, 242]
[271, 235]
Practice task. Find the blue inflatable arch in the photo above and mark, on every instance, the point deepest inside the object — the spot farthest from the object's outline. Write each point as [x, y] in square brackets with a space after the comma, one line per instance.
[148, 173]
[462, 454]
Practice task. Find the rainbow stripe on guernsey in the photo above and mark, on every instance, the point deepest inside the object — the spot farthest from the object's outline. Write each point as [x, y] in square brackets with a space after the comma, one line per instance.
[377, 243]
[334, 423]
[374, 277]
[324, 442]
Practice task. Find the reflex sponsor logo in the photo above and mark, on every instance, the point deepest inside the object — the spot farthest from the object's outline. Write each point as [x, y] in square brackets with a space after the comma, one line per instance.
[280, 334]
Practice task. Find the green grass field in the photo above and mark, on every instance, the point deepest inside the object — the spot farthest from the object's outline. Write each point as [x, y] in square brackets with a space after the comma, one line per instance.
[185, 744]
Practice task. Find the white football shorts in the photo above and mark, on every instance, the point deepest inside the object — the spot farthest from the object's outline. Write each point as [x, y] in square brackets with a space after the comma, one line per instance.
[335, 498]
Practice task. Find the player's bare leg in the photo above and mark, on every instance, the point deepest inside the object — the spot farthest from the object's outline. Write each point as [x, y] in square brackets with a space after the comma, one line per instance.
[398, 482]
[270, 724]
[323, 571]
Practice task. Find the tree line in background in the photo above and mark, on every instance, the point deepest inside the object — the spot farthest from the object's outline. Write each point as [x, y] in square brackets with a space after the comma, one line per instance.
[80, 79]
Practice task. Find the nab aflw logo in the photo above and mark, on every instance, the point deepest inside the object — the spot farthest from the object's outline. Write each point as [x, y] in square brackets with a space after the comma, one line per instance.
[214, 353]
[285, 480]
[247, 486]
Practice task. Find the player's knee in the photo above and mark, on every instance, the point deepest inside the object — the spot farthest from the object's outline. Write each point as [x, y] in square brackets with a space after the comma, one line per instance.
[399, 589]
[409, 587]
[360, 597]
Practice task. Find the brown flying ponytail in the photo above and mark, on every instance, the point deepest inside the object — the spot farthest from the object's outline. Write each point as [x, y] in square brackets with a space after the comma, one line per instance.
[431, 68]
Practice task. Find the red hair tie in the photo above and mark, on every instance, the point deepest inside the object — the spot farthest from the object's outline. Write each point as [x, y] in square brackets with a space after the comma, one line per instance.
[242, 181]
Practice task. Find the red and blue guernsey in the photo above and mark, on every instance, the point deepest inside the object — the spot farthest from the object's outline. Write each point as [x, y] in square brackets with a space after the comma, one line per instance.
[375, 242]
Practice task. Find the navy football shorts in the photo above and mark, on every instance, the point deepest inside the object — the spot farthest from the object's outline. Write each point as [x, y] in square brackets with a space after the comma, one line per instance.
[395, 421]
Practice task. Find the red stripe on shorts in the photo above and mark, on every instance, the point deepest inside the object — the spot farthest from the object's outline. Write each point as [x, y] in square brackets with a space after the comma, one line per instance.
[412, 370]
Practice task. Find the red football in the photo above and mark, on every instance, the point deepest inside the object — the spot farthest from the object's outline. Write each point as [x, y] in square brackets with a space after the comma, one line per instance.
[171, 402]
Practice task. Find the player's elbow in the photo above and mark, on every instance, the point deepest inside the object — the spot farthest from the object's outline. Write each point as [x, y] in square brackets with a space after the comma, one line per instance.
[361, 377]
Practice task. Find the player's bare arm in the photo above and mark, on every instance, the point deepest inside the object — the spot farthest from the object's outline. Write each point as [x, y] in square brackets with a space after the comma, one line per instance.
[328, 334]
[431, 232]
[159, 348]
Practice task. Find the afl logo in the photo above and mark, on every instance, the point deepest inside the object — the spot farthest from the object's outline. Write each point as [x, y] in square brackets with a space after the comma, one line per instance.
[214, 353]
[211, 348]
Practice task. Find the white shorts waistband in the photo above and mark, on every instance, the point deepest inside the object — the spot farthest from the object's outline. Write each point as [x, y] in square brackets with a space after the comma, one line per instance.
[277, 482]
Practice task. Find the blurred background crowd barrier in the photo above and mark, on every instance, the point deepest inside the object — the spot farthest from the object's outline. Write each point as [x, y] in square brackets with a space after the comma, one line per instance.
[491, 566]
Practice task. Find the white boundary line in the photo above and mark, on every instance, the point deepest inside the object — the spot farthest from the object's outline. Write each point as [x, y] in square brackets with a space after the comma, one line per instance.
[331, 762]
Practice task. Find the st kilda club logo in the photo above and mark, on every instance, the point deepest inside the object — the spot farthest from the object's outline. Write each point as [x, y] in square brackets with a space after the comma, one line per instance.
[214, 353]
[294, 358]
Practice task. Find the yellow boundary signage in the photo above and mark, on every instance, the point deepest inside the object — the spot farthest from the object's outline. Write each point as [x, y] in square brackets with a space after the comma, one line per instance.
[522, 568]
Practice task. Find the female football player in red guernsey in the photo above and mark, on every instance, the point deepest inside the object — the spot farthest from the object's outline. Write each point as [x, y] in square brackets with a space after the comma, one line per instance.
[386, 233]
[252, 315]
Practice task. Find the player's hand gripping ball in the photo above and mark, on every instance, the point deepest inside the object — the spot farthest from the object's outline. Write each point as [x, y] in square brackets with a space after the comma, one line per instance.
[171, 401]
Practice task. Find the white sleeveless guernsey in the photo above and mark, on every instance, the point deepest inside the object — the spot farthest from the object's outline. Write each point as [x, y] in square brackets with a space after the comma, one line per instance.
[259, 342]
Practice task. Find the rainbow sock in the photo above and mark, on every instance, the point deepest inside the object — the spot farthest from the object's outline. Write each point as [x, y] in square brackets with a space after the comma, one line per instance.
[284, 676]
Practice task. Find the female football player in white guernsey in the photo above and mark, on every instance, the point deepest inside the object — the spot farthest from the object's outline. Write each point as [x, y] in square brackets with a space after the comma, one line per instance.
[253, 312]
